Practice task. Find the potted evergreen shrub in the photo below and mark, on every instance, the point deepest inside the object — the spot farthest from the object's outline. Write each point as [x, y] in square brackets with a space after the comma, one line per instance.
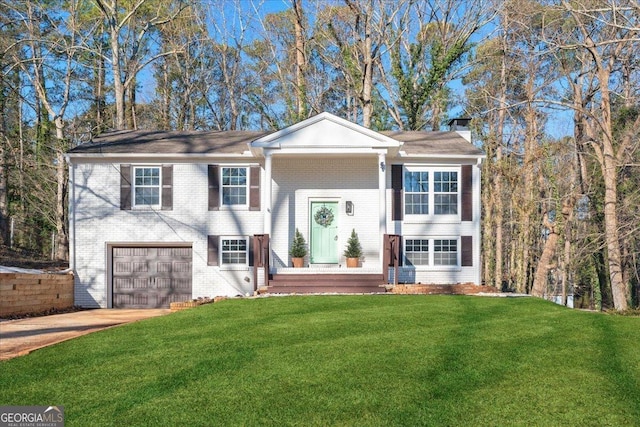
[353, 252]
[298, 249]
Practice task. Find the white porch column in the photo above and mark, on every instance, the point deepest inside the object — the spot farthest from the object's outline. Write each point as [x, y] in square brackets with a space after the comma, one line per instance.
[267, 193]
[382, 202]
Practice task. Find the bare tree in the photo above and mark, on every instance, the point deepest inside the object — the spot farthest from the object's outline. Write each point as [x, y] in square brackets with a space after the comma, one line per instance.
[130, 28]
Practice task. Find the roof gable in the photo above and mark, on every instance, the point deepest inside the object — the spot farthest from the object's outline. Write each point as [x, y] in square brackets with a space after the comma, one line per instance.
[325, 131]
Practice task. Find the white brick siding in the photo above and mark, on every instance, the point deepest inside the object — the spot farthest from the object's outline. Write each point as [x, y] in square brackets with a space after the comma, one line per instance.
[98, 221]
[298, 182]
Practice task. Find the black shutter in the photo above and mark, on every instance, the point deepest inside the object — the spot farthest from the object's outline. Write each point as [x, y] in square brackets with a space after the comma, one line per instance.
[396, 186]
[125, 187]
[254, 188]
[214, 188]
[467, 193]
[466, 258]
[250, 240]
[167, 187]
[212, 250]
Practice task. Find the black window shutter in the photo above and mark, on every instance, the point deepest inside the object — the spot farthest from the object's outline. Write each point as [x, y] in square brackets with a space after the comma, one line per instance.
[250, 239]
[254, 188]
[467, 193]
[125, 187]
[214, 188]
[167, 187]
[466, 258]
[212, 250]
[396, 186]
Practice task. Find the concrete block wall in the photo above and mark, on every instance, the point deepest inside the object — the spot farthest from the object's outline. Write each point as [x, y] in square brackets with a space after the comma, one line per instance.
[22, 293]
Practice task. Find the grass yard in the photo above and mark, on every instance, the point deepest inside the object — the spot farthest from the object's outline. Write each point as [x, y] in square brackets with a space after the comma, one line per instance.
[344, 360]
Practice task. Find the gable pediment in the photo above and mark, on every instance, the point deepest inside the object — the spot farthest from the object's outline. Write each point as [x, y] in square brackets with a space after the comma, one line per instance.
[325, 132]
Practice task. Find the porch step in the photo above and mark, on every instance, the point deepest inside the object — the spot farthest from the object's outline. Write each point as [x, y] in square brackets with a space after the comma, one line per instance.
[325, 283]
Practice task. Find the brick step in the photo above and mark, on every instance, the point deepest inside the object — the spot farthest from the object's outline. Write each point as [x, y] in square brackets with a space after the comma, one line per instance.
[319, 289]
[325, 283]
[326, 278]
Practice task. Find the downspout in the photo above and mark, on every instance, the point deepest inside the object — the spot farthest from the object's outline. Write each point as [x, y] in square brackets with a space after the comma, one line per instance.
[382, 205]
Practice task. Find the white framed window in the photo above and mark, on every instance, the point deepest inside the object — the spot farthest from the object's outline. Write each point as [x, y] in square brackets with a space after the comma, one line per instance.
[420, 251]
[445, 192]
[416, 192]
[416, 251]
[147, 186]
[445, 252]
[234, 251]
[431, 192]
[234, 183]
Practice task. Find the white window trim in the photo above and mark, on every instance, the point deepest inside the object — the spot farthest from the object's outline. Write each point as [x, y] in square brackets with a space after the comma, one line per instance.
[404, 251]
[224, 266]
[432, 217]
[432, 266]
[134, 186]
[239, 207]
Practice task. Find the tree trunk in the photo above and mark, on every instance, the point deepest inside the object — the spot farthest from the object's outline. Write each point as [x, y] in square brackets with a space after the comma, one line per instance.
[62, 239]
[4, 189]
[301, 63]
[539, 287]
[118, 86]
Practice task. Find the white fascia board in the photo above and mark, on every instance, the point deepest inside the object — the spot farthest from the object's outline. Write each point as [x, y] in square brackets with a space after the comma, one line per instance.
[331, 151]
[403, 154]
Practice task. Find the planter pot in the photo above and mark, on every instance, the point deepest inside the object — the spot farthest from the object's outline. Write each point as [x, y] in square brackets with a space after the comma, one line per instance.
[297, 262]
[352, 262]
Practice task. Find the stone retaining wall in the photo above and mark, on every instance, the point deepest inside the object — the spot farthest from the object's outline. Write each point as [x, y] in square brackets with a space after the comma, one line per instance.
[22, 293]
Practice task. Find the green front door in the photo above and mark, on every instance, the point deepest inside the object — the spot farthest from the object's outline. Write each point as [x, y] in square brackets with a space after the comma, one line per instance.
[324, 233]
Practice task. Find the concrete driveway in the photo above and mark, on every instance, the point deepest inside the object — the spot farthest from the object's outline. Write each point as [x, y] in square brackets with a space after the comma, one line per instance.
[22, 336]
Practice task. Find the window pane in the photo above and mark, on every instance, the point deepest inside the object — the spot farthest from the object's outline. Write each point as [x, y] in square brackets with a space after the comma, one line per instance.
[234, 186]
[147, 196]
[234, 251]
[445, 252]
[416, 186]
[417, 251]
[445, 182]
[146, 186]
[445, 204]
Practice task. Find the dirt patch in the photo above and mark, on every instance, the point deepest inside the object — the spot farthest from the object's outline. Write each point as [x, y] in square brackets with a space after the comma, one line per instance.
[31, 260]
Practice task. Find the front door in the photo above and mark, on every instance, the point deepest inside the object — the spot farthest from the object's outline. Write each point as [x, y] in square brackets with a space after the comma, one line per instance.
[324, 233]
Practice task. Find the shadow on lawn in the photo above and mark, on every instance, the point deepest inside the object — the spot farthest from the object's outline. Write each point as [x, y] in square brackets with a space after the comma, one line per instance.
[622, 379]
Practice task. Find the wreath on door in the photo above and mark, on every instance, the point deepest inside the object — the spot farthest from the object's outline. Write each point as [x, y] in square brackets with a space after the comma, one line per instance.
[324, 216]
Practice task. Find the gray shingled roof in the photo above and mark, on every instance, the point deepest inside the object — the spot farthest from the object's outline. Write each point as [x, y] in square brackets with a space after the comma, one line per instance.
[173, 142]
[235, 142]
[434, 143]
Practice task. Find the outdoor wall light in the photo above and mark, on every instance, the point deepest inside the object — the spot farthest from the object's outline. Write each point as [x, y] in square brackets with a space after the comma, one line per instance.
[349, 207]
[382, 166]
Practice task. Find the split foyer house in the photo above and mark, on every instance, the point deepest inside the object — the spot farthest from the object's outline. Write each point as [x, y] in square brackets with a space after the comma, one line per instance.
[157, 217]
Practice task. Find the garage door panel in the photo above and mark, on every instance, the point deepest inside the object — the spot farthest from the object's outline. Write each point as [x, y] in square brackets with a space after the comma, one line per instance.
[150, 277]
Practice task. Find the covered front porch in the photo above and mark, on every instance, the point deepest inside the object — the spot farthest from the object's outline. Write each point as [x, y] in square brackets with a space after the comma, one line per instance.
[327, 278]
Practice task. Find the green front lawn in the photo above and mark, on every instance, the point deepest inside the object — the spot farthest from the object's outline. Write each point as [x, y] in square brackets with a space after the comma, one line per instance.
[344, 360]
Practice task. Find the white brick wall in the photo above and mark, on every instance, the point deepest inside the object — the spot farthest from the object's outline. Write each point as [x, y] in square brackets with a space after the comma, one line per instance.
[298, 182]
[97, 221]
